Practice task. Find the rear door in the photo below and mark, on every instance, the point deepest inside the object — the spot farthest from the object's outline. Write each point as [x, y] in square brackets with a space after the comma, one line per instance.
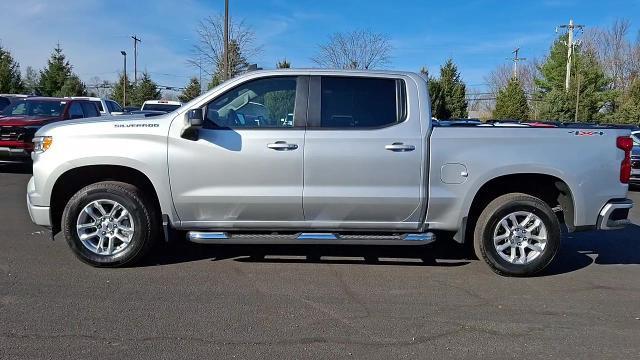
[363, 154]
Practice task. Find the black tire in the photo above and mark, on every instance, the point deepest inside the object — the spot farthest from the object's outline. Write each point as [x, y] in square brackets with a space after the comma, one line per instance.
[497, 210]
[142, 212]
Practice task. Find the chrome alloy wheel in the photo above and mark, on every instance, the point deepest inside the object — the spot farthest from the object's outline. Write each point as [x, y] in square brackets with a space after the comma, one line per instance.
[520, 237]
[105, 227]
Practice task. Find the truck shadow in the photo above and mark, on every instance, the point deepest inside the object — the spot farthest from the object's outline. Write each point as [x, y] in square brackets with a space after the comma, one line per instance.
[578, 251]
[434, 255]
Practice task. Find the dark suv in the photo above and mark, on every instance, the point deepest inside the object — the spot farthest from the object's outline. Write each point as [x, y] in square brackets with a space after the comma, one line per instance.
[21, 119]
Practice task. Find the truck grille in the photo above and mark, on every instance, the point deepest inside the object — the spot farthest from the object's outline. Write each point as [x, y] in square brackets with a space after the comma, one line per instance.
[635, 162]
[8, 133]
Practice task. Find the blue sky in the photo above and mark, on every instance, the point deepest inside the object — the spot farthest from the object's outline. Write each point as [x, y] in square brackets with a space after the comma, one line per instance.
[478, 35]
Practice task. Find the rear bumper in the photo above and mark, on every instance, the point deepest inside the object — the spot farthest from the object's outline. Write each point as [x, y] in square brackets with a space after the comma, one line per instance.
[614, 215]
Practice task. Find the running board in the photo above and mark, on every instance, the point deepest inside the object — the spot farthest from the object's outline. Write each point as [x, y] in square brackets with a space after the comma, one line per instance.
[205, 237]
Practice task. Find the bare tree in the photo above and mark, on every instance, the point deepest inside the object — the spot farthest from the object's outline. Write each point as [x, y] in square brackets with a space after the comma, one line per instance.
[500, 76]
[498, 79]
[359, 49]
[615, 52]
[208, 52]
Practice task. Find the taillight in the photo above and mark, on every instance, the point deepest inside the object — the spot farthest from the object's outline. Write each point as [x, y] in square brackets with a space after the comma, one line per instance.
[625, 144]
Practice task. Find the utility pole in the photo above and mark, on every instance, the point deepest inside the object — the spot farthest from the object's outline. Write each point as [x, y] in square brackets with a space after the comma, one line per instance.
[226, 40]
[124, 87]
[571, 43]
[136, 40]
[516, 59]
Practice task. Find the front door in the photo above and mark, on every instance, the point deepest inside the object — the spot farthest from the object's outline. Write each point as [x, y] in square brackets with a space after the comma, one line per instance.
[364, 155]
[245, 170]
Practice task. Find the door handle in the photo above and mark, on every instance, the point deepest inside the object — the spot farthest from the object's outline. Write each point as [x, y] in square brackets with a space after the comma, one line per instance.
[282, 146]
[400, 147]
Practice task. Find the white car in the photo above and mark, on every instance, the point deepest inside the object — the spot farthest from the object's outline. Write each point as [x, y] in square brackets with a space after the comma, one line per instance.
[161, 105]
[106, 106]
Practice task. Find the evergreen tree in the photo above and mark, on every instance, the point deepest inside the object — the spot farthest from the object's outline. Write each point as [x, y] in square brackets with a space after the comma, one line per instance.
[448, 93]
[191, 92]
[117, 93]
[73, 86]
[53, 77]
[630, 110]
[145, 89]
[588, 81]
[511, 102]
[454, 90]
[10, 77]
[284, 64]
[31, 81]
[237, 64]
[438, 106]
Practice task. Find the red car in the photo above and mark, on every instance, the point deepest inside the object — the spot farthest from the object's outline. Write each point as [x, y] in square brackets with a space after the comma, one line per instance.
[20, 121]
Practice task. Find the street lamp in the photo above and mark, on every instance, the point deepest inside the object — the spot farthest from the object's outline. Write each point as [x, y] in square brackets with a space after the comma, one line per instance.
[124, 87]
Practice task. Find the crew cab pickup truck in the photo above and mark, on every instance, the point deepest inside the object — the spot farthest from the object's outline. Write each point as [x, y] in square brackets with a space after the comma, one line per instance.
[22, 118]
[360, 163]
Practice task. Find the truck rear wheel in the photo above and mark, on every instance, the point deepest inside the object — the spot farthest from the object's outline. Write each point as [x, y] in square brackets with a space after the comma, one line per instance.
[517, 235]
[110, 224]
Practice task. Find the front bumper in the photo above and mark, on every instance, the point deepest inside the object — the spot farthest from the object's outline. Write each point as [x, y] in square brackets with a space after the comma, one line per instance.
[40, 215]
[614, 215]
[14, 155]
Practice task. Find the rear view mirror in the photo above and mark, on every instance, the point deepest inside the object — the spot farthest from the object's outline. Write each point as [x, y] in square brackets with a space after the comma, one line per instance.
[195, 118]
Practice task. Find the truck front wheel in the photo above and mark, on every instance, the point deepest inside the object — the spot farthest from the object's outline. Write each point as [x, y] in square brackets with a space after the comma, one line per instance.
[517, 235]
[110, 224]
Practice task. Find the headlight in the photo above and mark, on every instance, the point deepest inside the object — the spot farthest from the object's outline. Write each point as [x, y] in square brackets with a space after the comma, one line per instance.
[42, 143]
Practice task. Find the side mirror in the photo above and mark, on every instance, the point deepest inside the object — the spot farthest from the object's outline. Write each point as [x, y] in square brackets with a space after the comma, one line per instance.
[195, 118]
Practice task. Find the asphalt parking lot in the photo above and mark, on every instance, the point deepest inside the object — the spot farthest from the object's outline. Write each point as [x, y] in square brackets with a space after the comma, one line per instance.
[191, 301]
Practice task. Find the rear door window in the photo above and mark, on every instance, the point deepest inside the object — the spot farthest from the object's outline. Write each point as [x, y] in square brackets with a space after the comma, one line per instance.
[360, 103]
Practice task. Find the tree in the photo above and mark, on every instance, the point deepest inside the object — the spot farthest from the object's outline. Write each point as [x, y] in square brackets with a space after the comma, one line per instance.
[191, 92]
[630, 110]
[53, 77]
[284, 64]
[10, 77]
[359, 49]
[237, 64]
[588, 82]
[448, 93]
[117, 93]
[279, 102]
[73, 86]
[31, 81]
[145, 89]
[208, 52]
[614, 52]
[511, 102]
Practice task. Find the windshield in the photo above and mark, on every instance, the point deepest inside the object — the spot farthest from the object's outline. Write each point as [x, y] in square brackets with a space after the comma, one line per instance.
[160, 107]
[35, 108]
[636, 138]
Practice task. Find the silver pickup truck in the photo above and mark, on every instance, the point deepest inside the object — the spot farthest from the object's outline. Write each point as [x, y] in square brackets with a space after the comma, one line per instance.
[330, 157]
